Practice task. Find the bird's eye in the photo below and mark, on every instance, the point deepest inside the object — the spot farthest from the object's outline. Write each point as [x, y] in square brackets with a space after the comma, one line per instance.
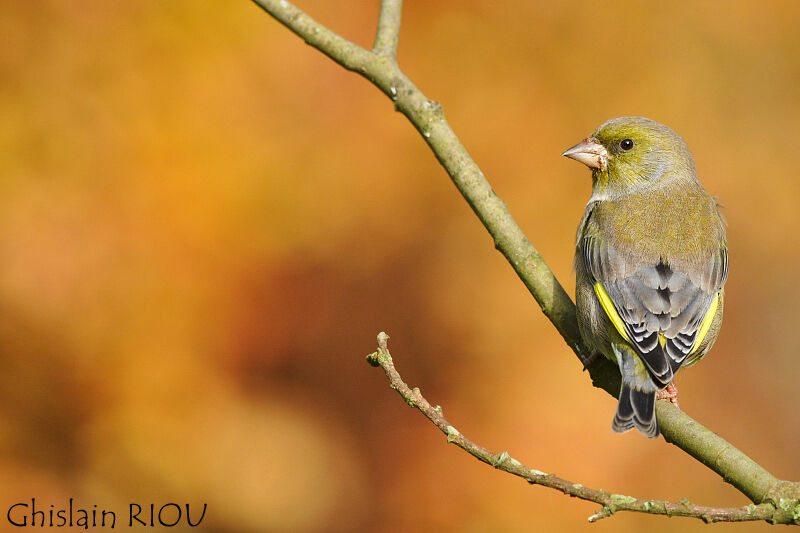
[626, 144]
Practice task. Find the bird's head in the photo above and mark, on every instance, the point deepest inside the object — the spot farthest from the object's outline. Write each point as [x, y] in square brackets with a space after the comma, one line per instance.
[630, 153]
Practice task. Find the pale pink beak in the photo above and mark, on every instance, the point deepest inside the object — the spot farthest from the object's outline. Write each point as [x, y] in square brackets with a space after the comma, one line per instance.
[589, 152]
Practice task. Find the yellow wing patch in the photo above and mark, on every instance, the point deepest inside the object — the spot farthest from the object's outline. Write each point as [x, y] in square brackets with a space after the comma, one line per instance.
[611, 311]
[705, 325]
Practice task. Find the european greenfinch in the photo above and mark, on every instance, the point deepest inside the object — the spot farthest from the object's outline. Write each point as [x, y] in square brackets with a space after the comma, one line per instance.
[651, 262]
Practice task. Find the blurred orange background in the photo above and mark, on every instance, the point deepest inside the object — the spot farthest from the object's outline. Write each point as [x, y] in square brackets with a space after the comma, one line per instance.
[204, 223]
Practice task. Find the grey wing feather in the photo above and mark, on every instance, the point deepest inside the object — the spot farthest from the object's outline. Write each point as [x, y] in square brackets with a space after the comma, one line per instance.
[648, 309]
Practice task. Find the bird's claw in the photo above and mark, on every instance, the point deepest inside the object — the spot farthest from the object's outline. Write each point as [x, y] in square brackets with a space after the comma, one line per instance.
[591, 359]
[670, 392]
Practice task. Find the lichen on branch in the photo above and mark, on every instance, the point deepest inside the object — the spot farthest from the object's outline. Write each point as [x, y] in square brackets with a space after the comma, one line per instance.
[610, 503]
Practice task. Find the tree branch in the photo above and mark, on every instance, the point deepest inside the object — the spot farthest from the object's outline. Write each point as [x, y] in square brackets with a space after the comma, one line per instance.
[611, 503]
[427, 116]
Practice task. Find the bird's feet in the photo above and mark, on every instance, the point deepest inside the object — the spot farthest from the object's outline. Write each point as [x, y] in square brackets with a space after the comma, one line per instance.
[670, 392]
[591, 359]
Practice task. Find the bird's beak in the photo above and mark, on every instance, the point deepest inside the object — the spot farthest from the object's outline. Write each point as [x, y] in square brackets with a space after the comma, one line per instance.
[589, 152]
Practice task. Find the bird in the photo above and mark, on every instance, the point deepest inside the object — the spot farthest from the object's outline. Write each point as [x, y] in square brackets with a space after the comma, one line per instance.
[651, 261]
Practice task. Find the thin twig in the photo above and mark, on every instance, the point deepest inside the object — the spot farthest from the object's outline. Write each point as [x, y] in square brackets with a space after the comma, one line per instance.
[427, 116]
[611, 503]
[386, 39]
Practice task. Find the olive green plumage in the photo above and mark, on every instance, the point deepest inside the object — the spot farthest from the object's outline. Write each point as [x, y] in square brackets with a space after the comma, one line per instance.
[651, 261]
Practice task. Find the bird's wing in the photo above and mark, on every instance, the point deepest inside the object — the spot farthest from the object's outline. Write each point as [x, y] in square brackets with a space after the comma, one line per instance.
[663, 312]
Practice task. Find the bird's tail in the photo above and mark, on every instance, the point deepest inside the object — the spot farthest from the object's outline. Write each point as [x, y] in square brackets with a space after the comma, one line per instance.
[636, 409]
